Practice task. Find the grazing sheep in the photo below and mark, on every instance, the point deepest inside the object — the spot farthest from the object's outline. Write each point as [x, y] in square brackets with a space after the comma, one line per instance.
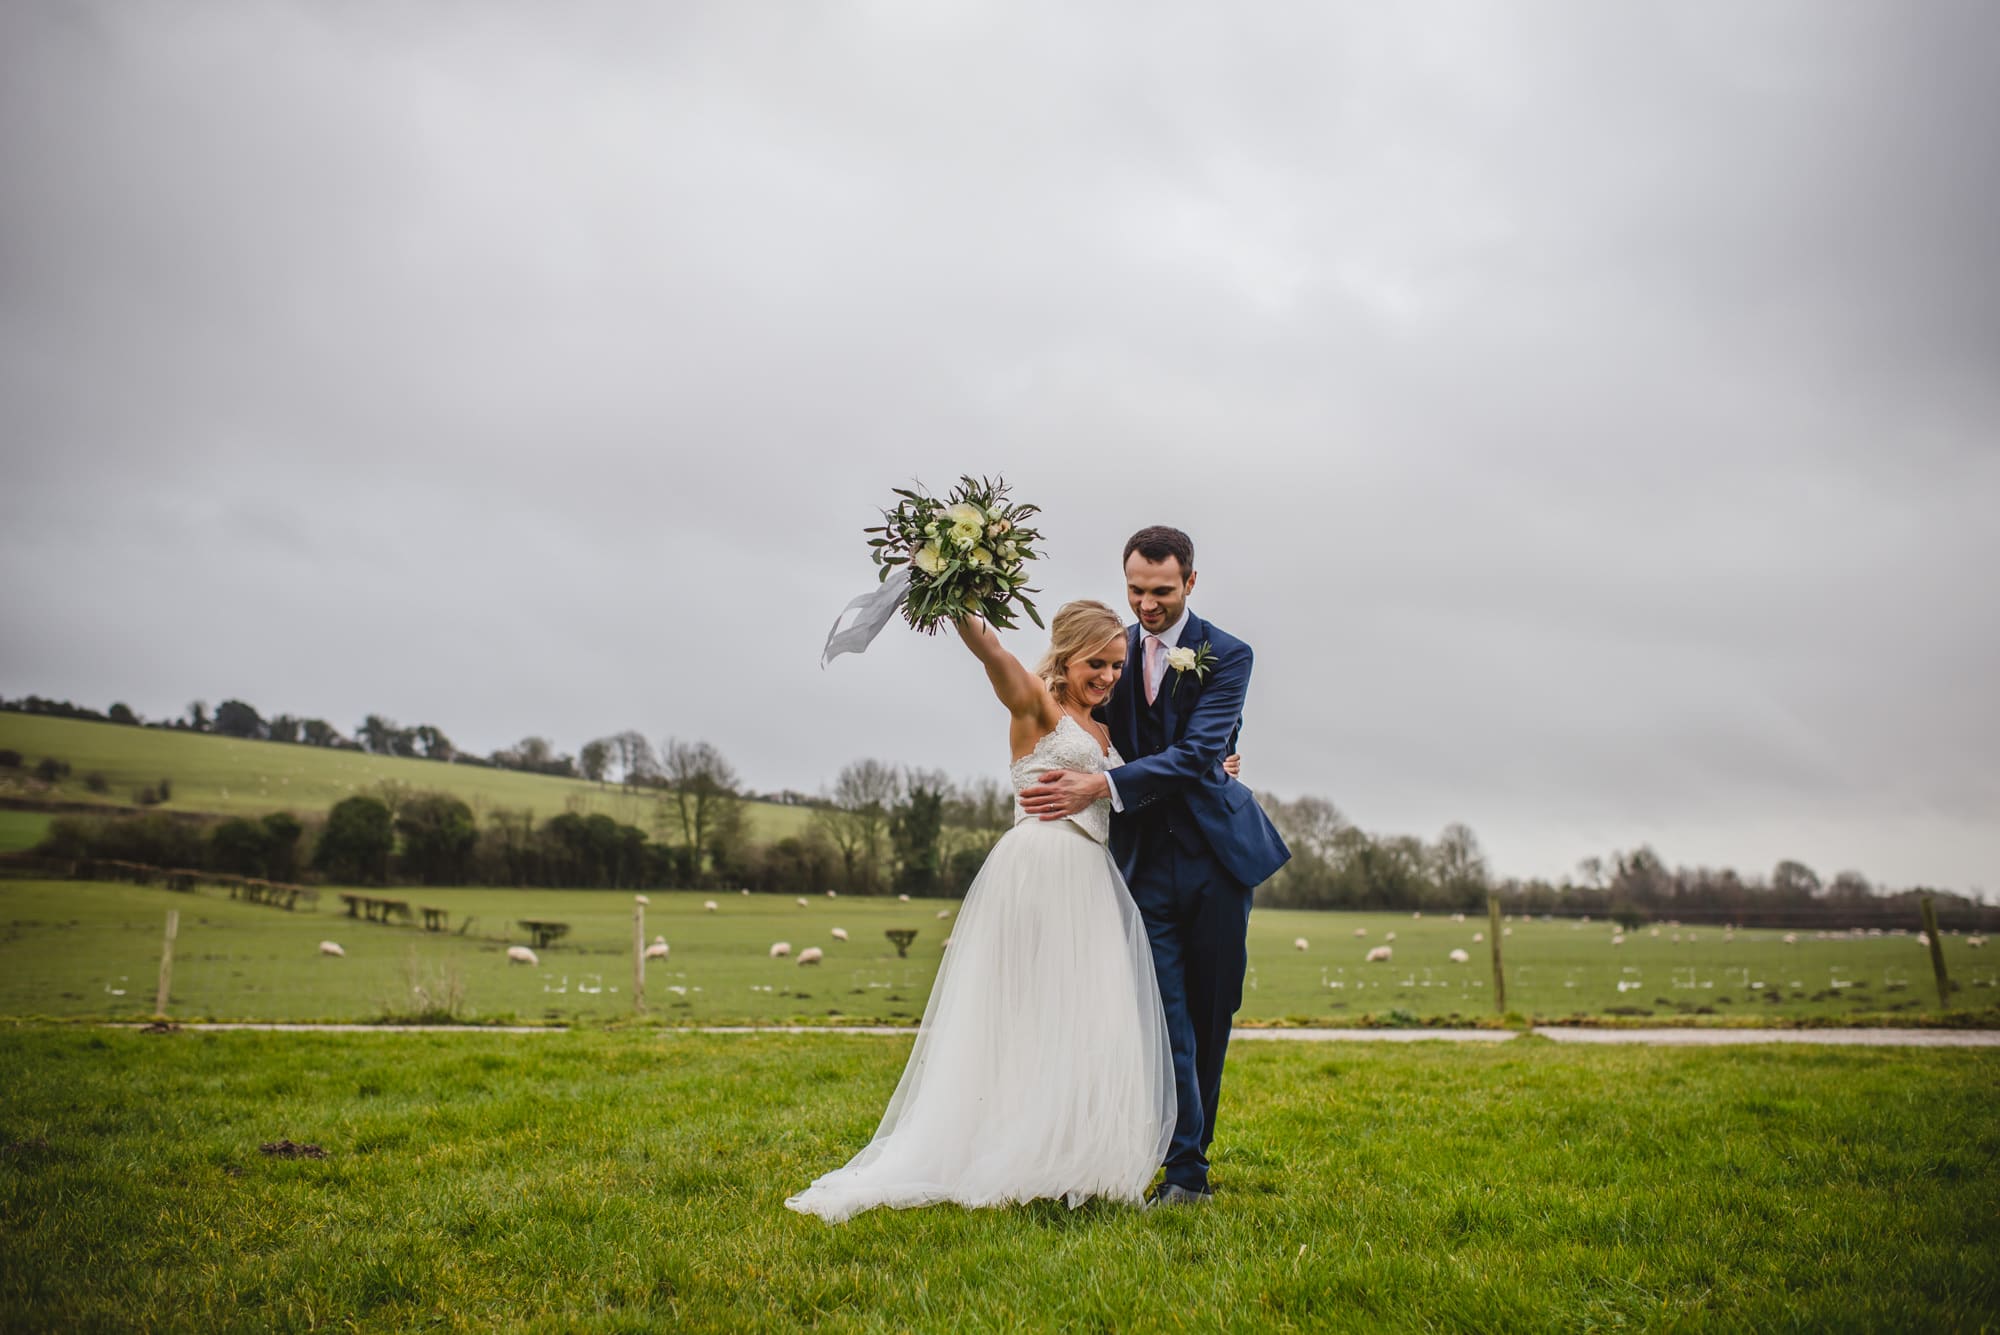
[943, 914]
[1923, 938]
[1389, 936]
[1618, 939]
[1360, 932]
[1477, 937]
[1299, 943]
[640, 899]
[1417, 914]
[1458, 917]
[840, 933]
[709, 906]
[902, 899]
[1791, 938]
[802, 901]
[1974, 942]
[332, 948]
[1506, 931]
[780, 949]
[521, 955]
[746, 892]
[831, 894]
[1379, 955]
[810, 955]
[1460, 957]
[658, 950]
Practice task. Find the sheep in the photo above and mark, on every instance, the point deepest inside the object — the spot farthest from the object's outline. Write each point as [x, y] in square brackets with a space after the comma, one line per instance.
[1460, 957]
[332, 948]
[902, 899]
[1458, 917]
[802, 901]
[1379, 955]
[746, 892]
[1389, 936]
[780, 949]
[1506, 931]
[1298, 943]
[1418, 914]
[1791, 938]
[946, 945]
[1360, 932]
[521, 955]
[640, 899]
[810, 955]
[840, 933]
[1477, 937]
[709, 906]
[1923, 938]
[1618, 938]
[832, 894]
[943, 914]
[658, 950]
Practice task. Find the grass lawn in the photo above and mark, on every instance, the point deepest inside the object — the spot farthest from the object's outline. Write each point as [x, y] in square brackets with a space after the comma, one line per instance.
[634, 1180]
[75, 949]
[21, 829]
[237, 777]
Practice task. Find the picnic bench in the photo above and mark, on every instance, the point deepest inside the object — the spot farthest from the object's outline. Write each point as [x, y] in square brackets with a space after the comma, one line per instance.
[545, 933]
[375, 909]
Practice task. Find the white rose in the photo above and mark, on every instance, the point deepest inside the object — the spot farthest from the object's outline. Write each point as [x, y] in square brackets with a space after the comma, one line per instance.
[981, 557]
[1180, 659]
[929, 559]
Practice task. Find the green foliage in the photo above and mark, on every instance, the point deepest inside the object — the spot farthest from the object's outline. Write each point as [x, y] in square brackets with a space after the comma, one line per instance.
[233, 718]
[354, 848]
[438, 836]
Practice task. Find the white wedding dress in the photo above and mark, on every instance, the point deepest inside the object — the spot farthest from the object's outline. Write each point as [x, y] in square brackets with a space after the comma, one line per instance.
[1041, 1068]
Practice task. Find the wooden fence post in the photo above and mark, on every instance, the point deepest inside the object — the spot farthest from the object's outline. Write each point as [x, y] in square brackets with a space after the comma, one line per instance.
[1493, 935]
[639, 954]
[167, 962]
[1928, 905]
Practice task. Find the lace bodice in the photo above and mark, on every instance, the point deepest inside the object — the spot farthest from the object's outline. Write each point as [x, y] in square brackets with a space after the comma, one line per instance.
[1068, 747]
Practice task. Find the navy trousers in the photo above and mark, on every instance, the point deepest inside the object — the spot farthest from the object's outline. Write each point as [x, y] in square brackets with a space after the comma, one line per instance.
[1197, 916]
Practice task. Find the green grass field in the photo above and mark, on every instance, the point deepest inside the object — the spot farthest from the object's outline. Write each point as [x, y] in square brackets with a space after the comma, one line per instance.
[634, 1181]
[74, 950]
[21, 829]
[231, 776]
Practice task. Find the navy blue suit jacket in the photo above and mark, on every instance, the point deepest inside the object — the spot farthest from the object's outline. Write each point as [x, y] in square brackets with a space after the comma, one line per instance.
[1202, 718]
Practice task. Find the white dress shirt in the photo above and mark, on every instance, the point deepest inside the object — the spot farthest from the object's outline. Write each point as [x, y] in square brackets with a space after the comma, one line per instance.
[1170, 639]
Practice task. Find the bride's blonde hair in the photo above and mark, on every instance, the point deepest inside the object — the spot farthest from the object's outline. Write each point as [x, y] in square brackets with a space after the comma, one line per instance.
[1076, 628]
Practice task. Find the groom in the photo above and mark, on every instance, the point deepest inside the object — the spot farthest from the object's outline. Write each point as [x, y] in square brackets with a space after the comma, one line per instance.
[1190, 840]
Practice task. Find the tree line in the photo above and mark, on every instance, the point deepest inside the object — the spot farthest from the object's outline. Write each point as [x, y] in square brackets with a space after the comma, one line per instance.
[881, 829]
[1336, 865]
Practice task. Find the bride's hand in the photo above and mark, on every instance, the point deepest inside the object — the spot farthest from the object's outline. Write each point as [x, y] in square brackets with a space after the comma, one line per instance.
[1232, 765]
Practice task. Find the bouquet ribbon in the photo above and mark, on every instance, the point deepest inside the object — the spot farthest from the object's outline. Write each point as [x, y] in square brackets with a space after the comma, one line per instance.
[863, 618]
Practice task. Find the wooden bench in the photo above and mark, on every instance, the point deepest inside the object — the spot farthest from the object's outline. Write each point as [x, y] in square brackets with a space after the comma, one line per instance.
[545, 933]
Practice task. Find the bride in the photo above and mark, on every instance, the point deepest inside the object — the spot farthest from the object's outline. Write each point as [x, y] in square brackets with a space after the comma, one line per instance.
[1042, 1067]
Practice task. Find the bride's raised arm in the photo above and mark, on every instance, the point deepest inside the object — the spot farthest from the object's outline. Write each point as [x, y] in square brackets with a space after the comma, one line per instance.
[1026, 696]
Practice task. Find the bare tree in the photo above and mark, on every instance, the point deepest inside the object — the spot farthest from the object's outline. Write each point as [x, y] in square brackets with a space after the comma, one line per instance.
[700, 800]
[858, 820]
[633, 755]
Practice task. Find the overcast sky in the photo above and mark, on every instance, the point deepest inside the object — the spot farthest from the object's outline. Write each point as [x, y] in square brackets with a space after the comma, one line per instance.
[1590, 413]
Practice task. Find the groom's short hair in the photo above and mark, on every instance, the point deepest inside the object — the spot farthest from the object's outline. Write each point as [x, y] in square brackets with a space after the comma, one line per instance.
[1159, 542]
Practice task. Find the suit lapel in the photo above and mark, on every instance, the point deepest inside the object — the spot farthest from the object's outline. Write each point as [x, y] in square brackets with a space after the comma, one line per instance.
[1135, 683]
[1177, 691]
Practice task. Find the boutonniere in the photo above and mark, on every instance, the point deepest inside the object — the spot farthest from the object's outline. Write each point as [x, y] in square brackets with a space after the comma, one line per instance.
[1197, 660]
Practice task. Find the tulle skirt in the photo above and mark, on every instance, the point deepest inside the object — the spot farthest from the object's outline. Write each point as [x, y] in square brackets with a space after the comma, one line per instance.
[1042, 1068]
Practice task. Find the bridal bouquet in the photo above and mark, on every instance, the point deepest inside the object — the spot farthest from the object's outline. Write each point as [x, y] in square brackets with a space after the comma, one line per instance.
[966, 553]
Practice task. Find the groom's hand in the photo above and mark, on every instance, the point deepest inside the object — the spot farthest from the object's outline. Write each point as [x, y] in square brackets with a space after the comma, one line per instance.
[1063, 792]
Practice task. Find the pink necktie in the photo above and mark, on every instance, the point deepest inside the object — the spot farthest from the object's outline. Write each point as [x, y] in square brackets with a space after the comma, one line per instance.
[1152, 668]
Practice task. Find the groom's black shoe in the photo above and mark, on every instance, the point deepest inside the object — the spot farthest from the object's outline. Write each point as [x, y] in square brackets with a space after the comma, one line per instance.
[1169, 1193]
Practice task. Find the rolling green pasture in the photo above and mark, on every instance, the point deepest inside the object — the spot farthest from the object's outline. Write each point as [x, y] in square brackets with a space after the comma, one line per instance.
[77, 949]
[629, 1181]
[21, 829]
[232, 776]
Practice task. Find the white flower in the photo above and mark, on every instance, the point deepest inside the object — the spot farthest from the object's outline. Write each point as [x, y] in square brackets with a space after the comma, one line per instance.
[929, 559]
[1180, 658]
[981, 557]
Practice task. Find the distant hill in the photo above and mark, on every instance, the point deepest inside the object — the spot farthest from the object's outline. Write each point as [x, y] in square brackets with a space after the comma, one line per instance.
[236, 777]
